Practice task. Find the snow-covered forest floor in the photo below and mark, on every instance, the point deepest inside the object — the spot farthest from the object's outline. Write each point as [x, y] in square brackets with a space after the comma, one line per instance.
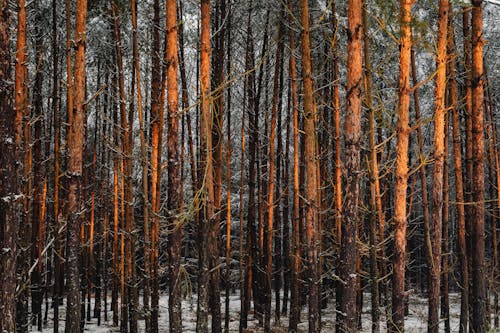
[416, 321]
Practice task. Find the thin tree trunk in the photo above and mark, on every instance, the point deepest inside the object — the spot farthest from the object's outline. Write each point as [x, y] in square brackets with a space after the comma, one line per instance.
[144, 162]
[296, 250]
[457, 160]
[217, 130]
[58, 278]
[377, 216]
[10, 153]
[205, 170]
[479, 321]
[228, 200]
[252, 133]
[22, 115]
[37, 224]
[156, 139]
[271, 185]
[435, 230]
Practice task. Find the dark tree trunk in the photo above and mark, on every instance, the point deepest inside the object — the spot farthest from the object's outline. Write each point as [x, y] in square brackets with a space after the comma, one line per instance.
[8, 183]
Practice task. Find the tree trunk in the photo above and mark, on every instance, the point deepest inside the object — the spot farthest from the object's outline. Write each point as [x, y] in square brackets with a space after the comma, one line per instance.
[205, 170]
[401, 173]
[295, 289]
[75, 146]
[22, 116]
[377, 215]
[457, 160]
[8, 183]
[352, 130]
[174, 183]
[435, 230]
[479, 321]
[156, 149]
[271, 185]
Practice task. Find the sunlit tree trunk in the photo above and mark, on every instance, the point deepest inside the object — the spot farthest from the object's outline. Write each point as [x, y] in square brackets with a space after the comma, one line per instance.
[205, 170]
[435, 230]
[174, 183]
[156, 149]
[401, 172]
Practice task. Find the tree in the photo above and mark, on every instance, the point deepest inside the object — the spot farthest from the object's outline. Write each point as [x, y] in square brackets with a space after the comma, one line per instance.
[8, 184]
[312, 188]
[174, 182]
[205, 169]
[435, 230]
[479, 322]
[352, 130]
[401, 171]
[75, 145]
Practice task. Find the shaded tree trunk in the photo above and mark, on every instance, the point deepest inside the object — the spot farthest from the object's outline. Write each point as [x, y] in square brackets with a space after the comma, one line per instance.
[352, 129]
[8, 183]
[75, 146]
[479, 321]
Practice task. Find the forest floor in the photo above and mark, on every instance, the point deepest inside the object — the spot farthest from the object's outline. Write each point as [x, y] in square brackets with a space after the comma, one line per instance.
[416, 321]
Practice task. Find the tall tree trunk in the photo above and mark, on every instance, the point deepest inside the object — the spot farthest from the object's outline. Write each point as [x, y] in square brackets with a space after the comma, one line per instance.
[271, 185]
[156, 149]
[348, 251]
[401, 173]
[377, 215]
[295, 289]
[312, 188]
[228, 200]
[435, 230]
[37, 224]
[58, 278]
[75, 146]
[8, 183]
[457, 161]
[252, 133]
[22, 115]
[174, 183]
[479, 321]
[217, 130]
[144, 163]
[205, 171]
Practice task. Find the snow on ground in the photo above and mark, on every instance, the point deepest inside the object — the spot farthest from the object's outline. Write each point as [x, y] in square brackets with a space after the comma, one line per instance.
[415, 322]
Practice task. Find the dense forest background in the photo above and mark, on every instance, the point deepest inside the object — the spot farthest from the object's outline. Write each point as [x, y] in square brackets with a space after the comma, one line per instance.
[249, 166]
